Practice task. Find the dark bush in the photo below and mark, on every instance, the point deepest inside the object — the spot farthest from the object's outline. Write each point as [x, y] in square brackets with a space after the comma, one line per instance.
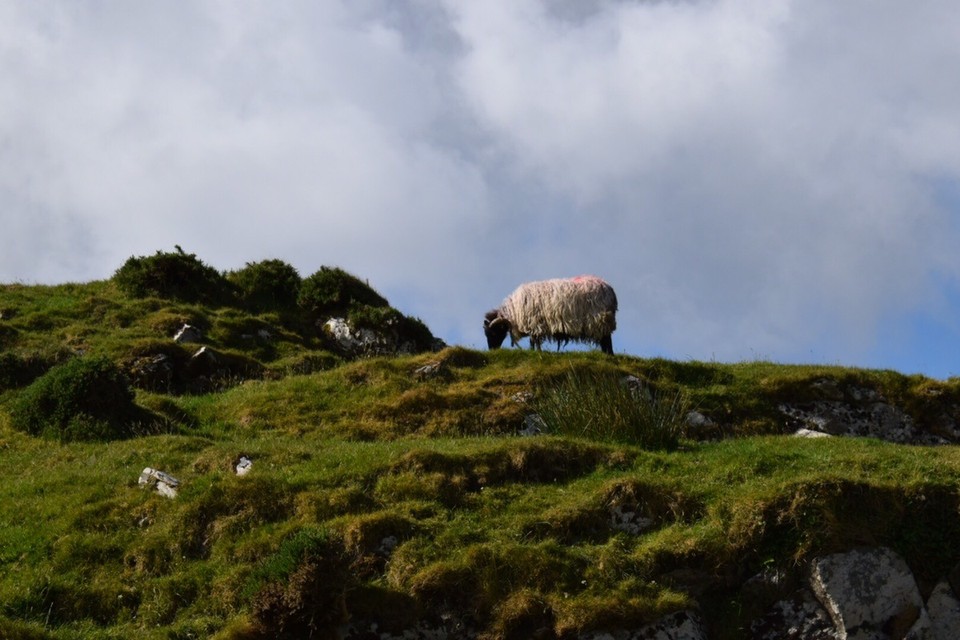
[302, 592]
[82, 399]
[19, 371]
[267, 285]
[11, 371]
[179, 275]
[332, 290]
[414, 330]
[8, 334]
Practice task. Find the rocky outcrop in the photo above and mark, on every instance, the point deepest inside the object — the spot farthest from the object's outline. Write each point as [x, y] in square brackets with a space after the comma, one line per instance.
[204, 370]
[868, 593]
[355, 341]
[863, 594]
[868, 416]
[833, 408]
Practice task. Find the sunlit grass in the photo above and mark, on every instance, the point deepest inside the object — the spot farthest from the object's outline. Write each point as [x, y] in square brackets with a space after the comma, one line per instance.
[426, 492]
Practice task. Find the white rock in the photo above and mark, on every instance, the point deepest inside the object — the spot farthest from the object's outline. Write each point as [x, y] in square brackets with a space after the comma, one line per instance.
[428, 371]
[167, 490]
[351, 339]
[188, 333]
[243, 466]
[339, 329]
[206, 353]
[810, 433]
[164, 483]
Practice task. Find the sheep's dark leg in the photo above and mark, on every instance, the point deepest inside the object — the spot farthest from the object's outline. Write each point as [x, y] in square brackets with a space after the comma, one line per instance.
[606, 344]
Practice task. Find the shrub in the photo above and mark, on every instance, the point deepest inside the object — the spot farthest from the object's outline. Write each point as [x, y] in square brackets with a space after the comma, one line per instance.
[8, 334]
[17, 371]
[267, 285]
[82, 399]
[303, 588]
[172, 275]
[20, 368]
[332, 290]
[600, 406]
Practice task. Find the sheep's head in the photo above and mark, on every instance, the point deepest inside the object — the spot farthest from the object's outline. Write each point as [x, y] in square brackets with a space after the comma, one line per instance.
[496, 328]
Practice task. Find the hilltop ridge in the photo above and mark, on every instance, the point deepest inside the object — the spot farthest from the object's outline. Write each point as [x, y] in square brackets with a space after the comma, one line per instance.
[391, 480]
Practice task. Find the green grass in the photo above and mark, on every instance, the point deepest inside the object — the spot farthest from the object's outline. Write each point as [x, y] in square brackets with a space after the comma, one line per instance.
[417, 497]
[476, 523]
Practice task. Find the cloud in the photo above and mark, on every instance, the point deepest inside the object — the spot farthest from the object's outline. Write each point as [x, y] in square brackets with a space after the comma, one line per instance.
[747, 159]
[754, 177]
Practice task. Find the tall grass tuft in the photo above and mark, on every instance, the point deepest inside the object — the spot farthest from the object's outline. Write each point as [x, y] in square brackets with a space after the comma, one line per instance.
[600, 405]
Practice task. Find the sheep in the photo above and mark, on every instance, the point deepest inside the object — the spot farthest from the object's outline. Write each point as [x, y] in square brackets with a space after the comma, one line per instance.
[581, 309]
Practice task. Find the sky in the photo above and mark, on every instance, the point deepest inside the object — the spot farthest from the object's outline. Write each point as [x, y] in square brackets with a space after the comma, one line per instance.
[758, 179]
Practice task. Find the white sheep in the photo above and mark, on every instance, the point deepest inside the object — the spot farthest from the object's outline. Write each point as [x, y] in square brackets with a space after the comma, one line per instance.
[581, 309]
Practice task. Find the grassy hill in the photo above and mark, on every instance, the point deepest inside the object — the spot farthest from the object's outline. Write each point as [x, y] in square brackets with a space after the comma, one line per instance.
[400, 488]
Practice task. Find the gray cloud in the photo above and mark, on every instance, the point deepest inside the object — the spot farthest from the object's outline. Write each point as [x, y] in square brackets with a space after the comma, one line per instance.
[754, 177]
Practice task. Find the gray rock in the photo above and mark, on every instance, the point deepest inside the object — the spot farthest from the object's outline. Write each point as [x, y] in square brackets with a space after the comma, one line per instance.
[873, 419]
[870, 594]
[154, 372]
[920, 630]
[800, 617]
[533, 425]
[683, 625]
[849, 410]
[697, 420]
[431, 371]
[629, 521]
[943, 607]
[638, 387]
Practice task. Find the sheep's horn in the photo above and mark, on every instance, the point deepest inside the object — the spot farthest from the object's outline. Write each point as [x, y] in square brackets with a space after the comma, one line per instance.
[496, 321]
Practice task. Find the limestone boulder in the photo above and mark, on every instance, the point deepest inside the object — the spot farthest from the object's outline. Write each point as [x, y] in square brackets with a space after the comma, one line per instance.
[870, 594]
